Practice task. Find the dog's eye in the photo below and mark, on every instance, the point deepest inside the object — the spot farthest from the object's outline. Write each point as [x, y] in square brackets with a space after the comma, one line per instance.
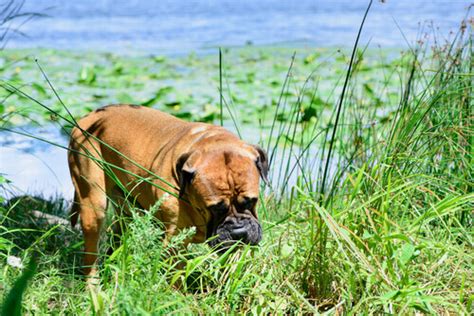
[219, 208]
[247, 204]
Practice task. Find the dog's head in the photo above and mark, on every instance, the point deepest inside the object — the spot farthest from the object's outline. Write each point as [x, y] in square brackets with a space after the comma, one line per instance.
[224, 183]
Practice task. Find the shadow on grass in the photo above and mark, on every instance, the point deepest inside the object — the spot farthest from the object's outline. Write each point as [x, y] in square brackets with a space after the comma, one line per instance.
[33, 224]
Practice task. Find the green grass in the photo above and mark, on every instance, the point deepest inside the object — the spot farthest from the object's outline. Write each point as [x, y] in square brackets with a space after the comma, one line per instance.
[390, 231]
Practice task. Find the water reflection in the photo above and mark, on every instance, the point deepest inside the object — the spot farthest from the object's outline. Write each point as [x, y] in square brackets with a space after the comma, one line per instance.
[33, 166]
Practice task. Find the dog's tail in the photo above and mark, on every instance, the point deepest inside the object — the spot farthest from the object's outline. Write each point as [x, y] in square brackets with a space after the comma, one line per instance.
[74, 212]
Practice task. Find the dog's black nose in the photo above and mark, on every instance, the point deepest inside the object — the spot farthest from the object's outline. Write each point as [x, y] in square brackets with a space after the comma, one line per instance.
[239, 233]
[232, 230]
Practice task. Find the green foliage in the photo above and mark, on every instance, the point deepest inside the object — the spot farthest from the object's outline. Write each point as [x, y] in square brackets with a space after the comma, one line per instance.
[158, 96]
[87, 75]
[11, 305]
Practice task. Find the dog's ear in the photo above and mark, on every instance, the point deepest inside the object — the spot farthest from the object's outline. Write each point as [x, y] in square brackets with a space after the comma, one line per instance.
[262, 163]
[185, 170]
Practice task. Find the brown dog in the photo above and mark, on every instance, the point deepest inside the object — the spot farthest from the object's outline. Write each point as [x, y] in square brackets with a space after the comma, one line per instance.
[212, 175]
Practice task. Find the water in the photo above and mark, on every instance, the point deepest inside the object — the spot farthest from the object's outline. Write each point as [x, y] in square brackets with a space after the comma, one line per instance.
[33, 166]
[181, 26]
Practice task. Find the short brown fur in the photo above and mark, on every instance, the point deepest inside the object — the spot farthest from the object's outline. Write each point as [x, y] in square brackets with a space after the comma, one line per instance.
[226, 170]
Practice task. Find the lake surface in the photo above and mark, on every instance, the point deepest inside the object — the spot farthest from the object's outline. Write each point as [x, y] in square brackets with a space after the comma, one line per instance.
[33, 166]
[181, 26]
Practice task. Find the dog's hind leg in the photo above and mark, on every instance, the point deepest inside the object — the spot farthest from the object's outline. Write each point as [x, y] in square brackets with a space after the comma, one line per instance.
[90, 201]
[92, 213]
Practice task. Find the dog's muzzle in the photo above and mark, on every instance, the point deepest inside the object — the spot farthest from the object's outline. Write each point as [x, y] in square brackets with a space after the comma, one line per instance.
[233, 230]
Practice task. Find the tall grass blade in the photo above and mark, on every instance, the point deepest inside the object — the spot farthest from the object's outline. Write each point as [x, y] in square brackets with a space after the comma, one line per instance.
[12, 304]
[339, 107]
